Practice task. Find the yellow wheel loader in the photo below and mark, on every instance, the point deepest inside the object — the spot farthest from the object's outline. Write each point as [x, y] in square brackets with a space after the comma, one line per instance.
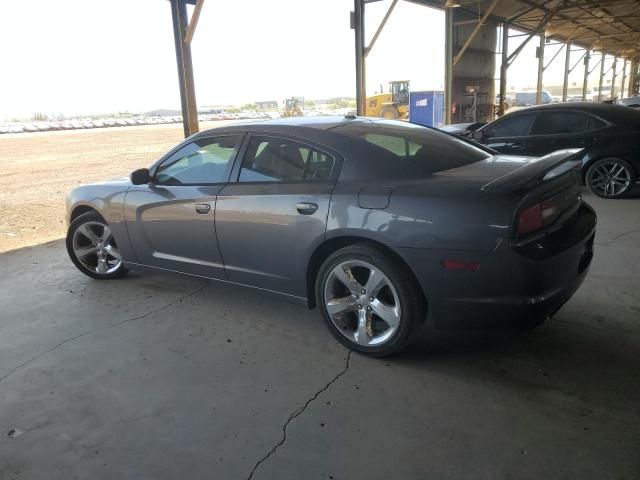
[293, 107]
[393, 105]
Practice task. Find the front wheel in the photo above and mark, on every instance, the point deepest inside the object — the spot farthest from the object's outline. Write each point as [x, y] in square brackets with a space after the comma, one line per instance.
[93, 249]
[390, 113]
[369, 303]
[610, 177]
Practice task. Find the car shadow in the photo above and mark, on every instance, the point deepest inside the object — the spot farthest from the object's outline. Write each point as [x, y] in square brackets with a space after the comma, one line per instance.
[590, 363]
[568, 353]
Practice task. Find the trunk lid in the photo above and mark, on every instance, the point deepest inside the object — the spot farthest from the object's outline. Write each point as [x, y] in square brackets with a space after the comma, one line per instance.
[549, 188]
[552, 182]
[538, 171]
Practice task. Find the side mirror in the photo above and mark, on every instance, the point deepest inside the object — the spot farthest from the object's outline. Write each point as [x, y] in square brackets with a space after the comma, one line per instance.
[140, 176]
[475, 126]
[477, 135]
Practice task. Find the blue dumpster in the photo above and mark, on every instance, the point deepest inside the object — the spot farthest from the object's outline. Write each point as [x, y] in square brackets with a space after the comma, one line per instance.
[427, 108]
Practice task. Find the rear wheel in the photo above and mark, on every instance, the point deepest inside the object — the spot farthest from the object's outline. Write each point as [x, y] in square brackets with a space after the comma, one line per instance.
[369, 303]
[93, 249]
[610, 177]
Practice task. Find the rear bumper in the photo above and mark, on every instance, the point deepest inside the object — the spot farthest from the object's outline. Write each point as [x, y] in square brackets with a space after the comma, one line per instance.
[514, 286]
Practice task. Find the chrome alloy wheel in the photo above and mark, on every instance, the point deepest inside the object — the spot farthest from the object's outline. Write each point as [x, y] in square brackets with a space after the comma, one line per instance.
[610, 179]
[362, 303]
[96, 249]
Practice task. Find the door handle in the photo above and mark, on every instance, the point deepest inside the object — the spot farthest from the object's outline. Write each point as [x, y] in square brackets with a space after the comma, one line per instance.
[306, 208]
[203, 208]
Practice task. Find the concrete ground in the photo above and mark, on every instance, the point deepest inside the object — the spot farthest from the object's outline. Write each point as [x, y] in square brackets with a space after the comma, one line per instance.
[165, 377]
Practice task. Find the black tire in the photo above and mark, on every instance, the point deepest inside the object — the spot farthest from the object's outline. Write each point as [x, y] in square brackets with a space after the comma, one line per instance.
[390, 113]
[92, 219]
[411, 301]
[598, 182]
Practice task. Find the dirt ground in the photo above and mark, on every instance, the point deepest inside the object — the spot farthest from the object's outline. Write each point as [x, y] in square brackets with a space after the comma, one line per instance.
[38, 169]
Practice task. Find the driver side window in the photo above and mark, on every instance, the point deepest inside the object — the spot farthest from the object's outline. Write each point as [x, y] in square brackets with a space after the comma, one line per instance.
[511, 126]
[201, 162]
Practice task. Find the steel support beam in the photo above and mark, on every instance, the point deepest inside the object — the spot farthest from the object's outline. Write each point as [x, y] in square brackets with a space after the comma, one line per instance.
[624, 77]
[555, 55]
[357, 23]
[185, 67]
[380, 28]
[601, 76]
[560, 10]
[585, 80]
[567, 62]
[579, 60]
[597, 64]
[448, 65]
[530, 35]
[633, 77]
[475, 32]
[504, 67]
[613, 77]
[194, 22]
[540, 55]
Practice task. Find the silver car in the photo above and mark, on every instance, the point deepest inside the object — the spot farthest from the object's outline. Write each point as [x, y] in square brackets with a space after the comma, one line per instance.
[376, 222]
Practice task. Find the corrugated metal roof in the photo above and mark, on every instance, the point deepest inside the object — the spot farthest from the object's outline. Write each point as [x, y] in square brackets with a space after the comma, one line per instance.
[609, 25]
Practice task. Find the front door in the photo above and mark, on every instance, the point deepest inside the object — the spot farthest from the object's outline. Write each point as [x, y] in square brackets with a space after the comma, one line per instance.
[510, 134]
[171, 220]
[271, 219]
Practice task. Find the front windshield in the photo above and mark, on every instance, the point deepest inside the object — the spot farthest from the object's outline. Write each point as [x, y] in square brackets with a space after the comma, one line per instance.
[416, 145]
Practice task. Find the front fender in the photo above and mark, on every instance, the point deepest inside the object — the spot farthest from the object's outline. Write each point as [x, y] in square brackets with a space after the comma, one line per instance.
[108, 200]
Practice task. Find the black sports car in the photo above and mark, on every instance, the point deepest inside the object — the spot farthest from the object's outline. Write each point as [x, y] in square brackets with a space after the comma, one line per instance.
[609, 134]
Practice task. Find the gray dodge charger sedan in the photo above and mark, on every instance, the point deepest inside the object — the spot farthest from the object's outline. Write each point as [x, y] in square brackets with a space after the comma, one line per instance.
[376, 222]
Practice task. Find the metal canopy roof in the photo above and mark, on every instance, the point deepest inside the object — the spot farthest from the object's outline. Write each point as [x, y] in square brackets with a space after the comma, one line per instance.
[612, 26]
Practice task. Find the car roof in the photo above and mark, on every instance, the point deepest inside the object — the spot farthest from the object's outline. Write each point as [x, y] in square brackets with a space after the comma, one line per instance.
[589, 107]
[313, 127]
[619, 115]
[314, 122]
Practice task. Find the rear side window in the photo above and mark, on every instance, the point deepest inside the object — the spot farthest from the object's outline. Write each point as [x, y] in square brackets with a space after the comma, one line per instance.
[421, 150]
[555, 123]
[280, 160]
[511, 126]
[399, 145]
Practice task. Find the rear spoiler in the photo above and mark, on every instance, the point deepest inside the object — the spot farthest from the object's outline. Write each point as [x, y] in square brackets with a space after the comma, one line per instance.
[539, 170]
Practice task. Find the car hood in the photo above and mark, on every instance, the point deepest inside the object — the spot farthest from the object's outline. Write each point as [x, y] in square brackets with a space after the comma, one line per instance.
[116, 182]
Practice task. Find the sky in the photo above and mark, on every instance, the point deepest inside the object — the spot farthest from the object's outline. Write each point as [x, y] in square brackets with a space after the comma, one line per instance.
[105, 56]
[92, 56]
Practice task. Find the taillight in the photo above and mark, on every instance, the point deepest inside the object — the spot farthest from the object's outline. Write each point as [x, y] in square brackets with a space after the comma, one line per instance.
[536, 216]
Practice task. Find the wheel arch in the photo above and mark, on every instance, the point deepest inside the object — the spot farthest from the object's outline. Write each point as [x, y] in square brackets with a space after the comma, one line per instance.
[587, 165]
[326, 248]
[81, 210]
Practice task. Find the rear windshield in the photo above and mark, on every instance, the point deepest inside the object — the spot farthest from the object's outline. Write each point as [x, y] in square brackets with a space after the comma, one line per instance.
[428, 149]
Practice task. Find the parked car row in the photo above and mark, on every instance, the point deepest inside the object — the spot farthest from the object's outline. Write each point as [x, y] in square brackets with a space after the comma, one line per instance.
[120, 122]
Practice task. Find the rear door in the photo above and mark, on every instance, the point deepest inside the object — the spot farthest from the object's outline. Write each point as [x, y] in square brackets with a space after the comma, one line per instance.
[271, 219]
[510, 135]
[556, 130]
[171, 220]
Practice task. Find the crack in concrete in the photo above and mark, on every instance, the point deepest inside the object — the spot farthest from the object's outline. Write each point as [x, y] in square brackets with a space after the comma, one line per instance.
[106, 327]
[618, 237]
[297, 413]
